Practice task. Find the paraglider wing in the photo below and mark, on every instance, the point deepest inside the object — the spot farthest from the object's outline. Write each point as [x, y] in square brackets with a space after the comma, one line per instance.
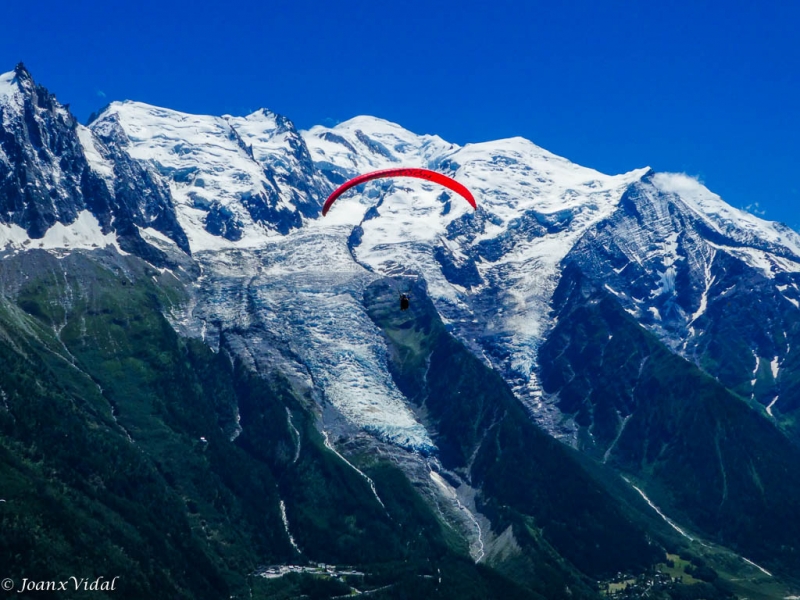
[433, 176]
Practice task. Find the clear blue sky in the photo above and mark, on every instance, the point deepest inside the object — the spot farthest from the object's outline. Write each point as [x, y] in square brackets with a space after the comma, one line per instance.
[707, 88]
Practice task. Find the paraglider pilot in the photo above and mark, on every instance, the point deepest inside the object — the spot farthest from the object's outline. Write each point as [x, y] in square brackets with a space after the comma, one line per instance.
[404, 301]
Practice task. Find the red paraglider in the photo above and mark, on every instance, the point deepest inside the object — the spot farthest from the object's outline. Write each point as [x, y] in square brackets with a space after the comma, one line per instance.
[444, 180]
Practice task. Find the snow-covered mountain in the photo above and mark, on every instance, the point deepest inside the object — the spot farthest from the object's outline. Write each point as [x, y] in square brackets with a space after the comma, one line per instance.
[491, 275]
[231, 207]
[225, 190]
[242, 195]
[656, 241]
[716, 284]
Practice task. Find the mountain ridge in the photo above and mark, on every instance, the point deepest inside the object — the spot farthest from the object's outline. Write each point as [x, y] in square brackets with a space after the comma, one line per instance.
[228, 207]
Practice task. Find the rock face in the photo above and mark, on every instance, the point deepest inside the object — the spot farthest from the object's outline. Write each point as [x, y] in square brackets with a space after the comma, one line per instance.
[717, 285]
[587, 300]
[44, 176]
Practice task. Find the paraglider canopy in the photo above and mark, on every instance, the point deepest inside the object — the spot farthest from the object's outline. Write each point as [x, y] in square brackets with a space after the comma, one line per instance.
[433, 176]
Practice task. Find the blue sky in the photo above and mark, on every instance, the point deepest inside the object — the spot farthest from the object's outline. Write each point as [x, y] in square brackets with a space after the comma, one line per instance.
[711, 89]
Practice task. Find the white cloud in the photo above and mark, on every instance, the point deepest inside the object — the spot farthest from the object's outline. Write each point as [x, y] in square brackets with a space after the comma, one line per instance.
[755, 208]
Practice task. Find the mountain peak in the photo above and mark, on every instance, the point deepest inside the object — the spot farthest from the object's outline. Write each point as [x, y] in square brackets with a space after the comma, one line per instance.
[22, 72]
[263, 112]
[373, 125]
[20, 81]
[265, 115]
